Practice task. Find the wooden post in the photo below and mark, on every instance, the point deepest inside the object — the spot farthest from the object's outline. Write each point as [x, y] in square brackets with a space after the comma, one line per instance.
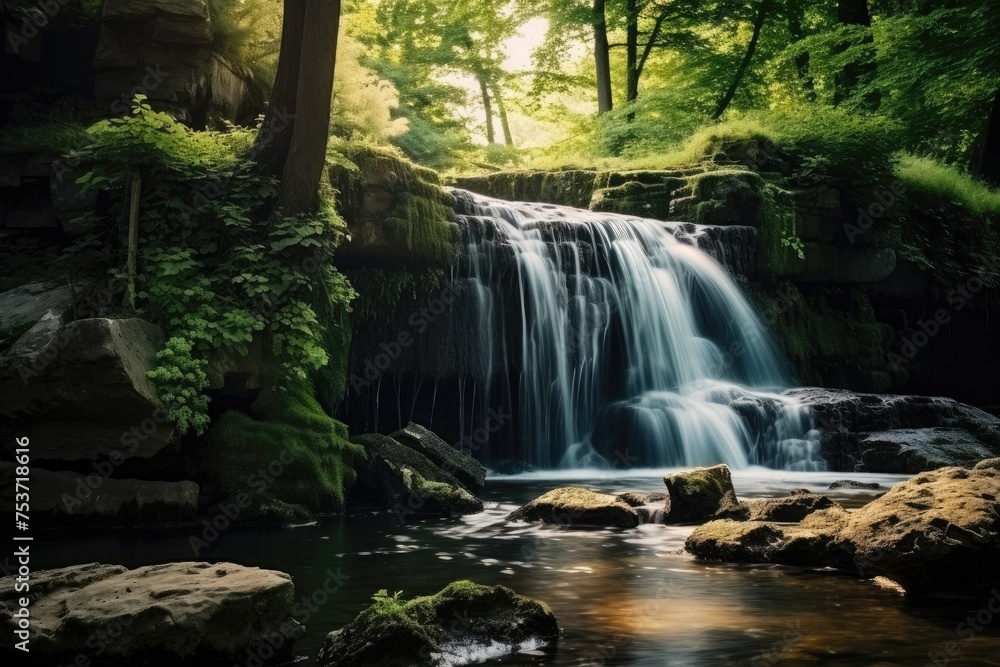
[135, 187]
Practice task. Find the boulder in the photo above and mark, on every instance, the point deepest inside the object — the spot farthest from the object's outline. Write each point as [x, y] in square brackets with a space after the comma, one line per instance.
[463, 467]
[167, 612]
[405, 481]
[21, 308]
[578, 507]
[61, 497]
[936, 534]
[700, 495]
[805, 544]
[640, 498]
[898, 432]
[493, 621]
[793, 508]
[909, 451]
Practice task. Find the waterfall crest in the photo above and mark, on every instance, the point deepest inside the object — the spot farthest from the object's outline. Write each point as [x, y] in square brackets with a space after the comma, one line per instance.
[637, 348]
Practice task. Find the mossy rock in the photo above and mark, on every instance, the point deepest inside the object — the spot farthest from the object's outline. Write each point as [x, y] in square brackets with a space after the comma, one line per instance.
[730, 196]
[397, 213]
[700, 495]
[435, 629]
[406, 482]
[285, 460]
[576, 507]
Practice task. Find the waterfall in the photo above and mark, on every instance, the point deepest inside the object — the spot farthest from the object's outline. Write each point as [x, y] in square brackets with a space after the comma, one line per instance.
[636, 347]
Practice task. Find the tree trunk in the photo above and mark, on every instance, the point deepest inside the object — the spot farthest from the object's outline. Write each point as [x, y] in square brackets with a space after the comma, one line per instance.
[275, 137]
[854, 12]
[986, 162]
[303, 169]
[653, 36]
[796, 15]
[745, 64]
[631, 50]
[491, 134]
[602, 58]
[508, 139]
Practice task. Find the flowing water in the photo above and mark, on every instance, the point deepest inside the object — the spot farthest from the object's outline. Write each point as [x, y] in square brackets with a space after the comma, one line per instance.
[622, 597]
[634, 344]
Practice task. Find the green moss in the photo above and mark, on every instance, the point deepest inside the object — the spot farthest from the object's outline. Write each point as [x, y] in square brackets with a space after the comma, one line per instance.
[44, 136]
[829, 347]
[441, 494]
[287, 454]
[397, 213]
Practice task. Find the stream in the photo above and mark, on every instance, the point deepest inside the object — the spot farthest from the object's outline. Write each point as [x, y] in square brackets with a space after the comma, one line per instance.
[622, 597]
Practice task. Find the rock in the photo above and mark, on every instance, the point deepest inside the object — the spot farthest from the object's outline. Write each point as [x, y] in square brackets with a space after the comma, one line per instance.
[700, 495]
[405, 481]
[578, 507]
[640, 498]
[988, 464]
[854, 484]
[493, 621]
[937, 534]
[463, 467]
[795, 507]
[805, 544]
[172, 611]
[847, 420]
[910, 451]
[64, 378]
[63, 496]
[21, 308]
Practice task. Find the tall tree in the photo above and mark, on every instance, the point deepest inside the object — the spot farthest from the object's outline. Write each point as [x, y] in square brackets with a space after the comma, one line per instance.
[859, 68]
[295, 149]
[602, 57]
[741, 71]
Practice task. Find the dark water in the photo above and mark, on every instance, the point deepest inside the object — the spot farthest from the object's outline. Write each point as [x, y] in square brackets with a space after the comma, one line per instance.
[621, 597]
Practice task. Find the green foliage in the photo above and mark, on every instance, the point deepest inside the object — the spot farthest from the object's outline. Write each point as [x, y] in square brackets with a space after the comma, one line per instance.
[42, 135]
[213, 272]
[381, 290]
[287, 454]
[248, 34]
[933, 178]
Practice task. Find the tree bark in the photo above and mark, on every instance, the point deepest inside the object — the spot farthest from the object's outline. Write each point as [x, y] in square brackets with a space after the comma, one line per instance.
[307, 153]
[745, 64]
[631, 50]
[602, 58]
[491, 134]
[854, 12]
[986, 162]
[275, 137]
[653, 36]
[508, 139]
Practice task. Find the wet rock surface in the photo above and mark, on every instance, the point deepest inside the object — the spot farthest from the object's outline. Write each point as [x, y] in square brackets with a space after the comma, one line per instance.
[578, 507]
[700, 495]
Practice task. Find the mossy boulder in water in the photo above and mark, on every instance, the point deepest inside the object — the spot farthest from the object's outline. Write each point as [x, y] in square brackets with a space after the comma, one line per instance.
[794, 507]
[464, 623]
[406, 482]
[700, 495]
[578, 507]
[463, 467]
[937, 535]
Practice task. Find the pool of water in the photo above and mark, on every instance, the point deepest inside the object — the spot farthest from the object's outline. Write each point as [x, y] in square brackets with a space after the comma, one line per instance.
[622, 597]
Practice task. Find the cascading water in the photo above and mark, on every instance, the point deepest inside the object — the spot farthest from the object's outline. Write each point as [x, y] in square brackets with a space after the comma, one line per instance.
[637, 348]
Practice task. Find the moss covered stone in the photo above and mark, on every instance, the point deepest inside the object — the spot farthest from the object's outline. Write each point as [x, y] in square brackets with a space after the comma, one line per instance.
[440, 629]
[700, 494]
[397, 213]
[577, 507]
[286, 455]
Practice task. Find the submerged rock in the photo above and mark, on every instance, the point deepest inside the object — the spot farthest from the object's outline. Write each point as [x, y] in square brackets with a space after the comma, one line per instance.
[163, 612]
[578, 507]
[405, 481]
[700, 495]
[464, 623]
[463, 467]
[937, 535]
